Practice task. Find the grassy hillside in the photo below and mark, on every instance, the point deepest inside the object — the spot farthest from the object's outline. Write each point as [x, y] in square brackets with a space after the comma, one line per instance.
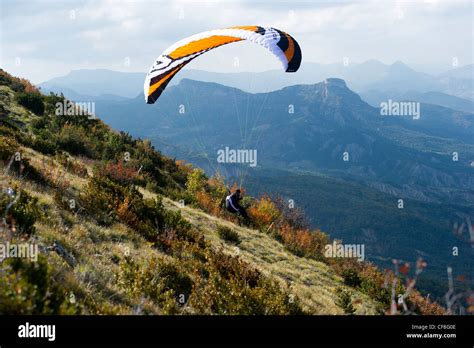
[107, 214]
[101, 260]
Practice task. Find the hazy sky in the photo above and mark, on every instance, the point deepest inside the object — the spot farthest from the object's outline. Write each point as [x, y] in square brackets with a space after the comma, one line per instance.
[44, 39]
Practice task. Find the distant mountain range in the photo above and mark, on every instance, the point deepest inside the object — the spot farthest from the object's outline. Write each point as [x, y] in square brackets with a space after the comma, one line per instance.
[375, 97]
[397, 79]
[89, 84]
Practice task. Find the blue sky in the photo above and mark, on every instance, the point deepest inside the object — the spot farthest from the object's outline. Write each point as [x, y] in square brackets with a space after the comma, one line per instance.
[44, 39]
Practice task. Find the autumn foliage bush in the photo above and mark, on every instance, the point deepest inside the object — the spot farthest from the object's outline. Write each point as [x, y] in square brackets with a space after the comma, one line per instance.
[302, 242]
[16, 83]
[263, 212]
[120, 172]
[209, 194]
[207, 203]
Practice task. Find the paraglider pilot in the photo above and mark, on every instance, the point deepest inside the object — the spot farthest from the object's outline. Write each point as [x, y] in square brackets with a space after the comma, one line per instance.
[232, 204]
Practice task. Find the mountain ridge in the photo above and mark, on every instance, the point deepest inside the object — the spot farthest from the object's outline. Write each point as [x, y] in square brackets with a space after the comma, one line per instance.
[361, 77]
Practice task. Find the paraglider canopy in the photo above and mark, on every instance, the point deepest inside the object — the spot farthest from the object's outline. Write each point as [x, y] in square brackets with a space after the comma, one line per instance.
[174, 58]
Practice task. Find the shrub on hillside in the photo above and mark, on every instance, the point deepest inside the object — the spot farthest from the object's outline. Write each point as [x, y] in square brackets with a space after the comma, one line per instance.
[217, 187]
[345, 301]
[156, 280]
[375, 284]
[8, 147]
[302, 242]
[207, 203]
[8, 129]
[107, 199]
[75, 140]
[43, 145]
[351, 278]
[174, 221]
[39, 123]
[72, 166]
[196, 181]
[14, 161]
[423, 306]
[207, 194]
[365, 278]
[228, 234]
[235, 287]
[229, 266]
[121, 172]
[31, 101]
[264, 212]
[28, 288]
[21, 210]
[100, 199]
[205, 281]
[294, 216]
